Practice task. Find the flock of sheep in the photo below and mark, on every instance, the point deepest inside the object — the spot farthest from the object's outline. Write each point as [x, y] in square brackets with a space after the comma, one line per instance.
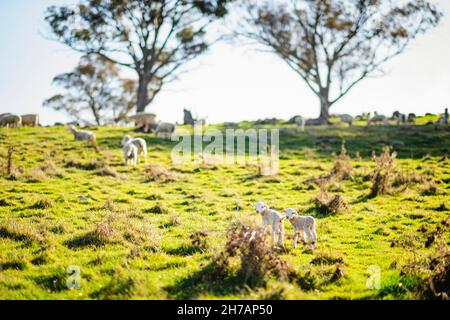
[15, 121]
[400, 118]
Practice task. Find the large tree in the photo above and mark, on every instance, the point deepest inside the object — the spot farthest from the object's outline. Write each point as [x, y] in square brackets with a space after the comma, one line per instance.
[94, 93]
[334, 44]
[154, 38]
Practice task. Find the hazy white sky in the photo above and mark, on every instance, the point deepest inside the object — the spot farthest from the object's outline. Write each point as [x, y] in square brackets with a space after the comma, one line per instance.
[228, 83]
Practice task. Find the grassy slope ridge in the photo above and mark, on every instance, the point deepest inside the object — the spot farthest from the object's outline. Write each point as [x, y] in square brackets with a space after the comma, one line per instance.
[132, 238]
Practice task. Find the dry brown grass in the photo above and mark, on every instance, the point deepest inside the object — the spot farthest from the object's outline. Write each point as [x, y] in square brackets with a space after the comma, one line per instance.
[43, 203]
[107, 171]
[342, 168]
[51, 169]
[326, 203]
[256, 262]
[156, 172]
[429, 189]
[383, 172]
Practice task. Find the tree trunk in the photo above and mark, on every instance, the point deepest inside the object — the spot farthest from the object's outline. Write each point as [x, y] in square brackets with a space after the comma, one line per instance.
[324, 104]
[142, 94]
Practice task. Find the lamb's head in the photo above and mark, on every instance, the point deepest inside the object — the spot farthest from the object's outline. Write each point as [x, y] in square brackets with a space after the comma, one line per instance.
[125, 139]
[71, 128]
[261, 207]
[290, 213]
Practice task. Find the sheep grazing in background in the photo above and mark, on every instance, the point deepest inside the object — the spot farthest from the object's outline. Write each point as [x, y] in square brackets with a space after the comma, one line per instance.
[31, 120]
[130, 153]
[165, 128]
[443, 120]
[271, 218]
[145, 120]
[411, 118]
[377, 118]
[302, 225]
[300, 122]
[140, 144]
[10, 120]
[346, 118]
[82, 135]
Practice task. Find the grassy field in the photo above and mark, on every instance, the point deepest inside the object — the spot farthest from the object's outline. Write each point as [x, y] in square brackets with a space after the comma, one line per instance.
[153, 232]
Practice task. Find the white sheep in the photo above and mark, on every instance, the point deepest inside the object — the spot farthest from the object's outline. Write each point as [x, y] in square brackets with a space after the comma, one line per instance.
[346, 118]
[10, 120]
[165, 128]
[302, 225]
[272, 218]
[145, 120]
[30, 120]
[300, 122]
[130, 153]
[377, 118]
[139, 143]
[82, 135]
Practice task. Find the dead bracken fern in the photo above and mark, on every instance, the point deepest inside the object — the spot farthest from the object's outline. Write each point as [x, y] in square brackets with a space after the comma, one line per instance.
[156, 172]
[342, 168]
[383, 172]
[256, 261]
[326, 203]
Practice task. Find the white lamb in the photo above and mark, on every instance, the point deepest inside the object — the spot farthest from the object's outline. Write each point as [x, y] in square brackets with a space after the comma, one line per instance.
[81, 135]
[130, 153]
[272, 218]
[346, 118]
[302, 225]
[165, 128]
[140, 144]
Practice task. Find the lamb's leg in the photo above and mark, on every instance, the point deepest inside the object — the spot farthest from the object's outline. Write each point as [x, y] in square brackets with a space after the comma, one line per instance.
[294, 245]
[302, 236]
[273, 233]
[310, 238]
[281, 233]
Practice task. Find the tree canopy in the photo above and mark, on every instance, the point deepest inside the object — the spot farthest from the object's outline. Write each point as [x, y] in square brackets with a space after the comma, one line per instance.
[94, 92]
[334, 44]
[154, 38]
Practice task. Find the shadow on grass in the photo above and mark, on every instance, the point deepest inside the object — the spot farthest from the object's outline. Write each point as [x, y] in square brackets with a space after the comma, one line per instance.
[201, 282]
[183, 250]
[89, 239]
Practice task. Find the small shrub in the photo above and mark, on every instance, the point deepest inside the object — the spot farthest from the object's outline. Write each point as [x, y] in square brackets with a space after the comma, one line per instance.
[159, 208]
[103, 234]
[51, 169]
[257, 262]
[342, 168]
[383, 172]
[158, 173]
[43, 203]
[199, 240]
[107, 171]
[429, 189]
[325, 203]
[36, 176]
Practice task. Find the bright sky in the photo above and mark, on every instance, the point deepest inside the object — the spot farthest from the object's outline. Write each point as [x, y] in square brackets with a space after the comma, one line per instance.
[228, 83]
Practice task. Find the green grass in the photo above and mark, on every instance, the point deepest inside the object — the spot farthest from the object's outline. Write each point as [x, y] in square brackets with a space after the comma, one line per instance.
[132, 238]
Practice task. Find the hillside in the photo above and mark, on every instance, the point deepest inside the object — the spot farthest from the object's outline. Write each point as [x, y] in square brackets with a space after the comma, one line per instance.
[152, 232]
